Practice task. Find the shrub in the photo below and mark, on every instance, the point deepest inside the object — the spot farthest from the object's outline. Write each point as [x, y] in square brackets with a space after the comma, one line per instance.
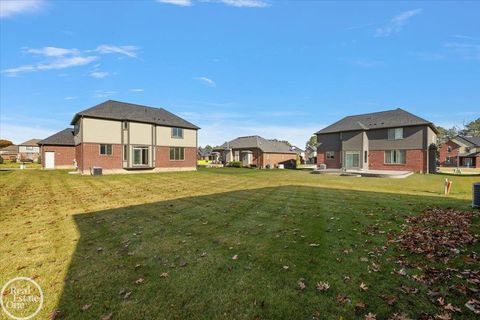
[235, 164]
[1, 160]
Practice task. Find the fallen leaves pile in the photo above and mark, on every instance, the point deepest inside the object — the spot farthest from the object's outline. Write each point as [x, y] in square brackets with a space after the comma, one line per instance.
[441, 236]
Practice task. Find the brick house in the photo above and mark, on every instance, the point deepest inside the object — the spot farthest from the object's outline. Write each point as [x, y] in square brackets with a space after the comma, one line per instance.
[388, 140]
[255, 151]
[58, 150]
[122, 137]
[460, 151]
[10, 152]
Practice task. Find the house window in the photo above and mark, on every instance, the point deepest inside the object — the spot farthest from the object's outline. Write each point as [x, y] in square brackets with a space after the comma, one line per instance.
[395, 156]
[395, 134]
[76, 128]
[365, 156]
[125, 125]
[29, 148]
[106, 149]
[330, 154]
[140, 156]
[177, 133]
[449, 149]
[125, 152]
[177, 153]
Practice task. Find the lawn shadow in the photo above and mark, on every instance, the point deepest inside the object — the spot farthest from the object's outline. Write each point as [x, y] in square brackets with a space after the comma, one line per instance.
[235, 255]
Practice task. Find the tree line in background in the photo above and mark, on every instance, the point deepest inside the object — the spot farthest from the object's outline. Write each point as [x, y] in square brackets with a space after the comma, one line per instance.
[470, 129]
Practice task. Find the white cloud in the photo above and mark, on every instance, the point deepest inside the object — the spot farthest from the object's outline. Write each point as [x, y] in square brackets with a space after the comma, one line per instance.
[20, 133]
[129, 51]
[182, 3]
[367, 63]
[466, 51]
[206, 81]
[397, 23]
[137, 90]
[104, 94]
[10, 8]
[99, 74]
[53, 51]
[245, 3]
[61, 58]
[69, 98]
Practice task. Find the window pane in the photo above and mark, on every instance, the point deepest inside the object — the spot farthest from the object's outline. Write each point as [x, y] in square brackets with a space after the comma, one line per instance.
[109, 149]
[391, 134]
[388, 156]
[182, 154]
[102, 149]
[172, 154]
[125, 150]
[398, 133]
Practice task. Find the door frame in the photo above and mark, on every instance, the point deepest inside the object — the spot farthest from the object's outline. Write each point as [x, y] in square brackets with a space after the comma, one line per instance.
[141, 155]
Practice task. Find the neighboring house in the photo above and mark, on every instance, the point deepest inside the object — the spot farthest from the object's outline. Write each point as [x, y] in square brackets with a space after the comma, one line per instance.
[10, 152]
[460, 151]
[120, 137]
[300, 153]
[311, 154]
[388, 140]
[58, 150]
[204, 154]
[255, 151]
[29, 150]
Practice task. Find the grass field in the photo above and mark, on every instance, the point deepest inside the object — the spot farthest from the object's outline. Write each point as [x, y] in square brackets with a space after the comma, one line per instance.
[155, 246]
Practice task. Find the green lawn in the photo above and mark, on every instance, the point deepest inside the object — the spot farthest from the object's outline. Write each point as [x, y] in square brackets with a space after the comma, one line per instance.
[7, 164]
[87, 240]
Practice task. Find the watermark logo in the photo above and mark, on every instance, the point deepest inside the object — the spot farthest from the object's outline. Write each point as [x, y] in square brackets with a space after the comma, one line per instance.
[21, 298]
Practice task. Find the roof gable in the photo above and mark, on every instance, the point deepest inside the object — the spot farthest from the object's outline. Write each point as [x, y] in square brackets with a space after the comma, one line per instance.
[122, 111]
[377, 120]
[273, 146]
[31, 142]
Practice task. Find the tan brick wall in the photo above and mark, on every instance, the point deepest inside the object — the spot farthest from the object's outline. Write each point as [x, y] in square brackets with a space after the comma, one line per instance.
[162, 158]
[64, 155]
[274, 159]
[416, 160]
[92, 157]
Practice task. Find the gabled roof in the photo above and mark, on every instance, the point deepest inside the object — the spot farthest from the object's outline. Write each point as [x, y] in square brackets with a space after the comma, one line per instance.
[116, 110]
[248, 142]
[377, 120]
[204, 152]
[296, 149]
[31, 143]
[61, 138]
[10, 149]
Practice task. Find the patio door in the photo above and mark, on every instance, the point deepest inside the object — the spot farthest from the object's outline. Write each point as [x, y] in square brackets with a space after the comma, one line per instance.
[140, 156]
[352, 159]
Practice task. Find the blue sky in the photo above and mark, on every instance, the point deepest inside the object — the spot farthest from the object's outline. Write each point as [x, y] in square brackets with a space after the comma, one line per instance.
[279, 69]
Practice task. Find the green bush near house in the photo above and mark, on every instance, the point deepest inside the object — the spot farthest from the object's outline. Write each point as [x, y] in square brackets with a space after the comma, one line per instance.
[1, 160]
[234, 164]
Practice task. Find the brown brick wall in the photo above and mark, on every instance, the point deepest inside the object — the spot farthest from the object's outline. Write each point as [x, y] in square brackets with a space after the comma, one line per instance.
[64, 155]
[92, 158]
[331, 163]
[416, 160]
[443, 153]
[274, 159]
[162, 158]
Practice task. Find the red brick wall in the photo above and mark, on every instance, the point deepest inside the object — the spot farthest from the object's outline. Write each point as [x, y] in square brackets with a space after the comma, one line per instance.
[274, 159]
[92, 157]
[64, 155]
[443, 151]
[162, 158]
[416, 160]
[331, 163]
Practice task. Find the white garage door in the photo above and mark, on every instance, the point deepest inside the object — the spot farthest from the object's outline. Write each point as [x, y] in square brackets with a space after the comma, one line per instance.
[49, 160]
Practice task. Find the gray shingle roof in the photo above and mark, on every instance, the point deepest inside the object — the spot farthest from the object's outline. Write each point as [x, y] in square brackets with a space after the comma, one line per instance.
[61, 138]
[248, 142]
[117, 110]
[10, 149]
[31, 142]
[377, 120]
[473, 140]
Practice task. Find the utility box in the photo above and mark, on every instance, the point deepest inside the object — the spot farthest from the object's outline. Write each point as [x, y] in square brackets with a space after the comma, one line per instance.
[476, 195]
[97, 171]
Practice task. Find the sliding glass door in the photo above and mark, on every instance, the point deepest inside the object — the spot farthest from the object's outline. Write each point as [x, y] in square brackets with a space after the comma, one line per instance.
[140, 156]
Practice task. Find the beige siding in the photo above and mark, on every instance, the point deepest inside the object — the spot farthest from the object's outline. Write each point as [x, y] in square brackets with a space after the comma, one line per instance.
[164, 138]
[23, 149]
[431, 137]
[78, 137]
[101, 131]
[140, 133]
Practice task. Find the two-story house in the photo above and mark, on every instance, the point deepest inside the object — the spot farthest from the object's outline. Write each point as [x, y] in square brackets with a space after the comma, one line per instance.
[387, 140]
[29, 150]
[120, 137]
[460, 151]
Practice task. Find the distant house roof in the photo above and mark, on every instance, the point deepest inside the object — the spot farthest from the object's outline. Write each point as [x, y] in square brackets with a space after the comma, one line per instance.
[11, 149]
[248, 142]
[61, 138]
[475, 141]
[377, 120]
[204, 152]
[296, 149]
[31, 143]
[116, 110]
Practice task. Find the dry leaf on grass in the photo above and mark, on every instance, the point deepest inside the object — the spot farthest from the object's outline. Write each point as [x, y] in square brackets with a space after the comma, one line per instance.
[370, 316]
[235, 257]
[323, 286]
[107, 316]
[301, 284]
[363, 287]
[86, 307]
[140, 281]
